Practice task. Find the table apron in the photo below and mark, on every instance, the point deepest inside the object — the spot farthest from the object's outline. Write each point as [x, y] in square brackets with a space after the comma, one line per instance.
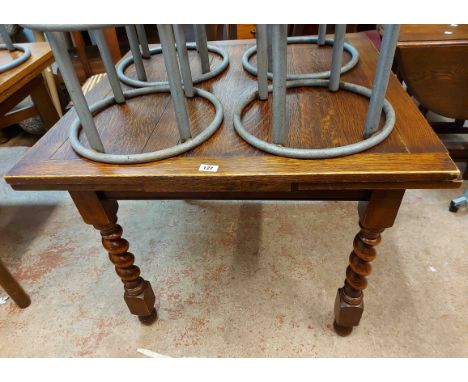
[291, 195]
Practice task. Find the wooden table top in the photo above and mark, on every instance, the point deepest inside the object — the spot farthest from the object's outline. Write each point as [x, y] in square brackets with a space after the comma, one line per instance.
[411, 157]
[425, 33]
[14, 79]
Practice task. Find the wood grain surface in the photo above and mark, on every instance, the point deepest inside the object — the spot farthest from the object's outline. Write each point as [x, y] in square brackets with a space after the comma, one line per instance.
[412, 157]
[433, 32]
[434, 66]
[14, 79]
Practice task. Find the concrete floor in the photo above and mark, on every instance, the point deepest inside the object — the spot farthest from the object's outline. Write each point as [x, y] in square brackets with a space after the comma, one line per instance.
[235, 279]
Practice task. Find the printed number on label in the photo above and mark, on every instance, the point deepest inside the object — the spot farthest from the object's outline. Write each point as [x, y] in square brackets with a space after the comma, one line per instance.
[208, 167]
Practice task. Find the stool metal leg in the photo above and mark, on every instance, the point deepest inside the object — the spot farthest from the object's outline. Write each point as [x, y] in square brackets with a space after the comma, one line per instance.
[321, 34]
[202, 47]
[337, 57]
[6, 38]
[141, 33]
[262, 61]
[109, 65]
[133, 40]
[283, 81]
[57, 43]
[184, 60]
[382, 75]
[166, 36]
[269, 45]
[279, 50]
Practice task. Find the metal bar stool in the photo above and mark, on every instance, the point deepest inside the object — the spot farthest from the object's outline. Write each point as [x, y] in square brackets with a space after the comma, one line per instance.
[85, 113]
[281, 82]
[138, 39]
[8, 45]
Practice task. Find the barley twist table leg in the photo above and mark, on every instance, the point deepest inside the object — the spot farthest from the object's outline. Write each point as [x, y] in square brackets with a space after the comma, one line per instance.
[374, 216]
[102, 214]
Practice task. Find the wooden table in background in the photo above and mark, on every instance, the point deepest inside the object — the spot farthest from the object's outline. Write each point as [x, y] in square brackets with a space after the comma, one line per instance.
[412, 157]
[26, 79]
[432, 60]
[432, 32]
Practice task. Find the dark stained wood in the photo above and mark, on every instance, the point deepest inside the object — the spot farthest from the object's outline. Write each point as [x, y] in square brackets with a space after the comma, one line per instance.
[81, 51]
[14, 79]
[14, 290]
[437, 76]
[21, 93]
[102, 214]
[43, 103]
[375, 215]
[458, 149]
[288, 193]
[111, 37]
[89, 61]
[432, 32]
[434, 66]
[412, 157]
[455, 127]
[18, 83]
[16, 136]
[17, 116]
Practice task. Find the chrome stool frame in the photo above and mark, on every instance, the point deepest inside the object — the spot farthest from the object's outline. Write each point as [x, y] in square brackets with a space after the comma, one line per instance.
[371, 134]
[8, 45]
[85, 113]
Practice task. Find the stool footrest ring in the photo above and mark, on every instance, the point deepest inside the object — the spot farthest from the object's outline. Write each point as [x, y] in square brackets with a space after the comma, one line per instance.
[124, 64]
[18, 60]
[300, 153]
[150, 156]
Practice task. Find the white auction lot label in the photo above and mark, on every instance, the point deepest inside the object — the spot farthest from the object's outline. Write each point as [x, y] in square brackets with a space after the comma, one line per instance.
[208, 167]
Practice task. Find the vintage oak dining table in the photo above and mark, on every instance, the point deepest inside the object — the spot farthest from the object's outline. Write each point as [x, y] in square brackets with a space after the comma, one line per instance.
[412, 157]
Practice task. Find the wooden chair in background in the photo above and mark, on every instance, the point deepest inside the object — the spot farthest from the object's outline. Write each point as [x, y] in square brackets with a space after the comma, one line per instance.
[86, 60]
[14, 290]
[23, 81]
[89, 65]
